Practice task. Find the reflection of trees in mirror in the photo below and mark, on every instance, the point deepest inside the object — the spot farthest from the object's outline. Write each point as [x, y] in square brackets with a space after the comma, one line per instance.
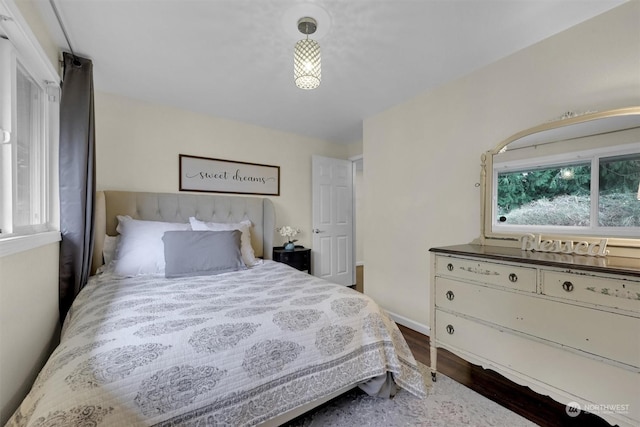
[619, 192]
[619, 174]
[516, 189]
[616, 210]
[619, 210]
[562, 210]
[561, 195]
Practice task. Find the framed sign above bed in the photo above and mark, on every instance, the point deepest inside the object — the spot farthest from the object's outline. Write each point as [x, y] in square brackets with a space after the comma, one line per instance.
[225, 176]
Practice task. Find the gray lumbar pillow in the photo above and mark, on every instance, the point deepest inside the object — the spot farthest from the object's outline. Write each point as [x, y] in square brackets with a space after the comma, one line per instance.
[202, 253]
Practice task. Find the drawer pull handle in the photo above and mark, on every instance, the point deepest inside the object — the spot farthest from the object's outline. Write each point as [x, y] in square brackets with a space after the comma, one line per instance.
[450, 329]
[567, 286]
[513, 277]
[450, 267]
[450, 295]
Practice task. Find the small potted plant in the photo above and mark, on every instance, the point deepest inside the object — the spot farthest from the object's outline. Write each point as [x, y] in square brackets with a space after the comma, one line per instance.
[289, 232]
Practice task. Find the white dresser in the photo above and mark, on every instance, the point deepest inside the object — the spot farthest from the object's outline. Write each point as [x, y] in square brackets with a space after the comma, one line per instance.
[566, 326]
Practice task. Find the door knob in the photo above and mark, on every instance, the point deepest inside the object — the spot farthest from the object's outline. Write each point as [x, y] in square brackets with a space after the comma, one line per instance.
[315, 230]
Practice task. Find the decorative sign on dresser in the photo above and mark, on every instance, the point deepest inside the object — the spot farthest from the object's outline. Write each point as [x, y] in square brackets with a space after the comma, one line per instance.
[567, 326]
[534, 242]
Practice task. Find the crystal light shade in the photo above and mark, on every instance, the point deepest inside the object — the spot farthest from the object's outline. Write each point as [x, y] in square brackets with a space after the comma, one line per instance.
[306, 64]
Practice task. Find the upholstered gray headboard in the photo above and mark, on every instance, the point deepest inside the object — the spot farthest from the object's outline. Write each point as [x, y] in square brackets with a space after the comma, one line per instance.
[178, 207]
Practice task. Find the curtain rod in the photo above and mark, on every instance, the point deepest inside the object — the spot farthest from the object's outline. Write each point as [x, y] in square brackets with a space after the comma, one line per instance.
[64, 31]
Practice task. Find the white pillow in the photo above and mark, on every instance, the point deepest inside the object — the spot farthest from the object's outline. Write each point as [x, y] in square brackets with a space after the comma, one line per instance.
[248, 255]
[140, 249]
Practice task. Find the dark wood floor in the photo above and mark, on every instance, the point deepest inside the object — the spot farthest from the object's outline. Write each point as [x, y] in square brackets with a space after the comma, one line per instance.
[541, 410]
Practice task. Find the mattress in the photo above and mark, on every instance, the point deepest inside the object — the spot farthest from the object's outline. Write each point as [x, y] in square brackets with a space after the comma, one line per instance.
[233, 349]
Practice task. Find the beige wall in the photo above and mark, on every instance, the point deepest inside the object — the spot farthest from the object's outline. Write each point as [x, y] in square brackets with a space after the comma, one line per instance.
[31, 14]
[138, 143]
[423, 156]
[28, 295]
[28, 320]
[354, 149]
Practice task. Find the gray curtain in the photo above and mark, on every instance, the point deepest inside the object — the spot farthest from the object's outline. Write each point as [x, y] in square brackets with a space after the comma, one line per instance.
[77, 177]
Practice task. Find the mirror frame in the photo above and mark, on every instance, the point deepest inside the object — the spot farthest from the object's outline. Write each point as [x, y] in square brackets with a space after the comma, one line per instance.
[560, 130]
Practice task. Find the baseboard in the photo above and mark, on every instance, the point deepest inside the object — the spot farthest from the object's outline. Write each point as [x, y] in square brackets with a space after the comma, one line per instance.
[419, 327]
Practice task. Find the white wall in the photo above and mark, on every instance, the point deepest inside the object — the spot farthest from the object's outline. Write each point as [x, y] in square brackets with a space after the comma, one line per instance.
[423, 156]
[138, 143]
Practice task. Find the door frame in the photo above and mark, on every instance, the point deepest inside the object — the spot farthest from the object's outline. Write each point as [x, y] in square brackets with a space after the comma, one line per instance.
[354, 160]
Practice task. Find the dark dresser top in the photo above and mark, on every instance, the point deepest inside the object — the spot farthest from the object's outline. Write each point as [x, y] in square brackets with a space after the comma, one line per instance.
[608, 264]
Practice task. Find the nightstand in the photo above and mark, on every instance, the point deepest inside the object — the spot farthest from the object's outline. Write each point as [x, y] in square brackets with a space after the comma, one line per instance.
[299, 258]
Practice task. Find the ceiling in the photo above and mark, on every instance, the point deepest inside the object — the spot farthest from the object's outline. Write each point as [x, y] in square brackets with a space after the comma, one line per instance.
[234, 58]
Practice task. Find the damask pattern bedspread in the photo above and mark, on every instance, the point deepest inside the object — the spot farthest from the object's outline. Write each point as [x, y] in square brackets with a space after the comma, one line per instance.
[234, 349]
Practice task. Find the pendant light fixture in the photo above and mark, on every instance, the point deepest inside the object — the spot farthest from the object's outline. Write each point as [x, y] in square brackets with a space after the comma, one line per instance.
[306, 57]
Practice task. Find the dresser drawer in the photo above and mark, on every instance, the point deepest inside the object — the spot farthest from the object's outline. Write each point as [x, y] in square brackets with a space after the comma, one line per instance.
[605, 291]
[540, 364]
[508, 276]
[609, 335]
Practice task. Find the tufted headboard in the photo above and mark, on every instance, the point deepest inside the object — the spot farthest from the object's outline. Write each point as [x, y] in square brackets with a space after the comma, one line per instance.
[178, 207]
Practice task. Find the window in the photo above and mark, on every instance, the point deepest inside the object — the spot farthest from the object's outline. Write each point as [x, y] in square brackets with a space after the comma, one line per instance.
[556, 195]
[29, 115]
[24, 156]
[619, 191]
[594, 192]
[29, 210]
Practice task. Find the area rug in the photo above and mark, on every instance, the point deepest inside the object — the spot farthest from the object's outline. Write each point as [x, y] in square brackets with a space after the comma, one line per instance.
[447, 404]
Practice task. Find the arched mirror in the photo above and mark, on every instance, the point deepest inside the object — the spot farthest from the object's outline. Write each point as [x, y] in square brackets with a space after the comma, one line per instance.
[576, 178]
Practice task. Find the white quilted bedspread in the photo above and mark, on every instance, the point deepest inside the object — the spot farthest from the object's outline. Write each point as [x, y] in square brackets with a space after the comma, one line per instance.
[233, 349]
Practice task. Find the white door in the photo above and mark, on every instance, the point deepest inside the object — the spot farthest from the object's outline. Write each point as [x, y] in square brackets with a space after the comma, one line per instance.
[332, 194]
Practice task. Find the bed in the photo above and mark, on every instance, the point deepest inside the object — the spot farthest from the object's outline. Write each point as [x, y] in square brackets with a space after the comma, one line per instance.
[254, 345]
